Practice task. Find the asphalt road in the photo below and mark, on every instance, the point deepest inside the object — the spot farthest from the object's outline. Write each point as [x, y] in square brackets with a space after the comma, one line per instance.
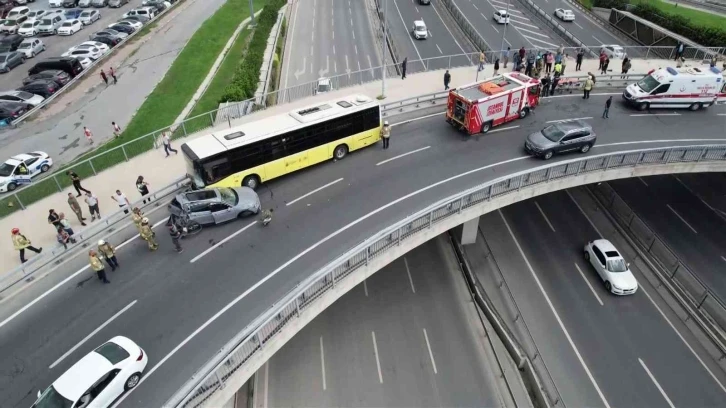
[62, 134]
[57, 44]
[328, 38]
[689, 225]
[428, 343]
[176, 297]
[601, 349]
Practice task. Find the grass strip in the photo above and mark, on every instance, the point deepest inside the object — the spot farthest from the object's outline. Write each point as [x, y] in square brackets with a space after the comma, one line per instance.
[696, 17]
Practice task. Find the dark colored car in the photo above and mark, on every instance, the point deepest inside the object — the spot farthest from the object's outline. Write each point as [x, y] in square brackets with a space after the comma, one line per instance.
[10, 42]
[122, 28]
[573, 135]
[10, 111]
[69, 65]
[10, 60]
[59, 77]
[117, 3]
[5, 7]
[110, 41]
[73, 14]
[42, 87]
[69, 3]
[157, 4]
[141, 19]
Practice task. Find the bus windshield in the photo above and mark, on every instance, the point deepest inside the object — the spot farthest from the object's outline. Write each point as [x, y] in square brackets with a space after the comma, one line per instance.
[648, 84]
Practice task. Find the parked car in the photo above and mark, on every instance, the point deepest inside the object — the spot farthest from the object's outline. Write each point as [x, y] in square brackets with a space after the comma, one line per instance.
[501, 16]
[42, 87]
[117, 3]
[69, 3]
[10, 112]
[37, 14]
[100, 3]
[124, 28]
[10, 26]
[21, 97]
[137, 18]
[10, 43]
[59, 77]
[419, 30]
[88, 44]
[149, 12]
[157, 4]
[110, 33]
[10, 60]
[72, 14]
[131, 23]
[110, 41]
[611, 267]
[84, 3]
[424, 2]
[83, 52]
[564, 15]
[25, 165]
[50, 24]
[89, 16]
[70, 27]
[99, 378]
[574, 135]
[613, 51]
[30, 47]
[85, 62]
[29, 29]
[215, 205]
[55, 3]
[18, 12]
[69, 65]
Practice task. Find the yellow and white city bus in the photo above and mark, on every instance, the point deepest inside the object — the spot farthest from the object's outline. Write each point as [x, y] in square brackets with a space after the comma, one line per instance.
[258, 151]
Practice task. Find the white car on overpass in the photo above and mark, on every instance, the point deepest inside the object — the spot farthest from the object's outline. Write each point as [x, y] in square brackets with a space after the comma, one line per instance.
[419, 30]
[501, 16]
[611, 267]
[613, 51]
[564, 14]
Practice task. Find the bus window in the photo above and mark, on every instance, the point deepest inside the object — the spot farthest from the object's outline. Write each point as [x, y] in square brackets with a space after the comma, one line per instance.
[216, 170]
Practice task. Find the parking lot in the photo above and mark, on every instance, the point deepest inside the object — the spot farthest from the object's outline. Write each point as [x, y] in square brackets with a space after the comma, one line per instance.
[57, 45]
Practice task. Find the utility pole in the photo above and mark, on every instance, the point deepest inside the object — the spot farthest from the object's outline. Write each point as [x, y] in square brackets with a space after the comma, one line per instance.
[504, 33]
[383, 51]
[252, 15]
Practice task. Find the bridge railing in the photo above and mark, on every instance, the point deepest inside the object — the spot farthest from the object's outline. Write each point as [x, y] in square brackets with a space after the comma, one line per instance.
[253, 339]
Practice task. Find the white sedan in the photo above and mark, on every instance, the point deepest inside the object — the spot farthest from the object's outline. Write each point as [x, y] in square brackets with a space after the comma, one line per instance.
[419, 30]
[83, 52]
[565, 15]
[99, 378]
[21, 97]
[89, 16]
[501, 16]
[70, 27]
[29, 28]
[85, 62]
[611, 267]
[131, 23]
[31, 47]
[55, 3]
[613, 51]
[87, 44]
[21, 168]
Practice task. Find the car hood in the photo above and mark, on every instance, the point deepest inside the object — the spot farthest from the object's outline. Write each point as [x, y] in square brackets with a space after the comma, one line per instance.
[623, 280]
[247, 198]
[538, 140]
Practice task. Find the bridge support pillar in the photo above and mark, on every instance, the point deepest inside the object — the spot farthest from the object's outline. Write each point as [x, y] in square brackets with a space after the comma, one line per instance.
[469, 230]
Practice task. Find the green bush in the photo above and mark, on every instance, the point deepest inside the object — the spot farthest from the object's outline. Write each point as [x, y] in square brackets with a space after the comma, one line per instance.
[707, 36]
[244, 82]
[608, 4]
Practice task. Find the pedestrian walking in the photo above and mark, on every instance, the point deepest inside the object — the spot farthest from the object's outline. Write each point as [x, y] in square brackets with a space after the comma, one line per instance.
[626, 67]
[602, 59]
[558, 69]
[679, 51]
[564, 64]
[175, 237]
[522, 53]
[64, 238]
[496, 66]
[386, 134]
[122, 201]
[88, 134]
[147, 234]
[505, 56]
[21, 243]
[53, 219]
[447, 79]
[403, 68]
[605, 65]
[482, 60]
[555, 82]
[109, 252]
[587, 88]
[549, 60]
[116, 129]
[143, 188]
[578, 61]
[607, 108]
[104, 77]
[113, 75]
[66, 225]
[97, 265]
[166, 141]
[76, 208]
[137, 216]
[92, 202]
[76, 182]
[545, 86]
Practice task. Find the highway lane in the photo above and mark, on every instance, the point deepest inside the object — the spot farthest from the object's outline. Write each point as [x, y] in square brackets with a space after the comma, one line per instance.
[429, 343]
[328, 38]
[176, 298]
[690, 227]
[630, 351]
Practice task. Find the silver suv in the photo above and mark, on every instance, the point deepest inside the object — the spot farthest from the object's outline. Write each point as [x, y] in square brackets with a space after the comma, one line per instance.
[50, 24]
[574, 135]
[215, 205]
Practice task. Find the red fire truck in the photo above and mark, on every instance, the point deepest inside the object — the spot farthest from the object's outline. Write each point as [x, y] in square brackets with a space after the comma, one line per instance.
[480, 106]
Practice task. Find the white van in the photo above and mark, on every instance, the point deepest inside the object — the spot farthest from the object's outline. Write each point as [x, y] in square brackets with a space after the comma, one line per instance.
[690, 87]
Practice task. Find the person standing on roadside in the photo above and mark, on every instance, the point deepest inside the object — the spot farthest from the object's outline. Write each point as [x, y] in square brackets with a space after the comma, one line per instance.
[403, 68]
[496, 67]
[143, 188]
[147, 234]
[482, 60]
[626, 67]
[605, 65]
[76, 208]
[578, 61]
[92, 202]
[137, 216]
[545, 89]
[76, 182]
[505, 57]
[108, 252]
[166, 141]
[522, 53]
[607, 108]
[122, 201]
[20, 243]
[66, 225]
[385, 134]
[116, 129]
[53, 219]
[587, 88]
[563, 63]
[104, 77]
[549, 59]
[88, 134]
[97, 266]
[113, 75]
[175, 237]
[447, 79]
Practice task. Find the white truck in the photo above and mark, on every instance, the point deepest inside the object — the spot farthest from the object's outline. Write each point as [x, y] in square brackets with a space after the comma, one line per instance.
[690, 87]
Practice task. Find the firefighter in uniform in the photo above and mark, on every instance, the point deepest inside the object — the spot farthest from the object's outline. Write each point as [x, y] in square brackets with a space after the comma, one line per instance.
[136, 217]
[97, 265]
[108, 252]
[147, 234]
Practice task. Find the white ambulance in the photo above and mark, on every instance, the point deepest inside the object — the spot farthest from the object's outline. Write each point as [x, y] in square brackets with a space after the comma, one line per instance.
[691, 87]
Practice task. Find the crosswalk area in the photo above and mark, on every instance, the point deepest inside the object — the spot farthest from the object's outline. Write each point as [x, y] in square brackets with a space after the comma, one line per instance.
[527, 29]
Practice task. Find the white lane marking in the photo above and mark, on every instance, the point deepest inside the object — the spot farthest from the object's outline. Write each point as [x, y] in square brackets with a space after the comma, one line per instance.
[578, 26]
[592, 224]
[93, 333]
[378, 361]
[66, 280]
[697, 196]
[365, 288]
[567, 120]
[682, 219]
[595, 94]
[322, 363]
[292, 32]
[598, 41]
[475, 7]
[724, 258]
[503, 129]
[495, 29]
[314, 191]
[402, 155]
[521, 23]
[557, 316]
[535, 39]
[721, 114]
[544, 216]
[215, 246]
[659, 141]
[404, 24]
[410, 278]
[683, 339]
[333, 49]
[356, 52]
[433, 5]
[635, 115]
[588, 284]
[439, 48]
[533, 32]
[643, 181]
[415, 119]
[431, 353]
[645, 367]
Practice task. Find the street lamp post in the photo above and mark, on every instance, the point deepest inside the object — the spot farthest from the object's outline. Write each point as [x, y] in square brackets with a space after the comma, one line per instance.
[252, 15]
[383, 51]
[504, 33]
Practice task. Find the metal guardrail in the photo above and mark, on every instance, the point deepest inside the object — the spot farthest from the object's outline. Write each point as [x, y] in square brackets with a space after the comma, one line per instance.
[84, 238]
[250, 341]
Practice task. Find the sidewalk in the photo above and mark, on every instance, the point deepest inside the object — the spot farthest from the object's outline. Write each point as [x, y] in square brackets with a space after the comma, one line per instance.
[159, 171]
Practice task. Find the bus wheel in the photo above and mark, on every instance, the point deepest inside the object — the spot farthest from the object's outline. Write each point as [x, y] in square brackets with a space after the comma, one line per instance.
[695, 107]
[251, 181]
[643, 106]
[340, 152]
[523, 113]
[486, 127]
